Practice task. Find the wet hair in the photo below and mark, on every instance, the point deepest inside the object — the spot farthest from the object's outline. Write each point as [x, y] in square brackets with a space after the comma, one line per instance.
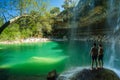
[100, 45]
[94, 44]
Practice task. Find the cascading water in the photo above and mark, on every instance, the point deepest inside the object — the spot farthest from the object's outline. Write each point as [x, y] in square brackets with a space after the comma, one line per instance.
[73, 26]
[74, 33]
[115, 24]
[114, 11]
[77, 12]
[74, 23]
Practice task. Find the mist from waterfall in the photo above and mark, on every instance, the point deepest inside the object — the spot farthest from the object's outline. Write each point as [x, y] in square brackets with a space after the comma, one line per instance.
[73, 22]
[115, 25]
[74, 32]
[77, 10]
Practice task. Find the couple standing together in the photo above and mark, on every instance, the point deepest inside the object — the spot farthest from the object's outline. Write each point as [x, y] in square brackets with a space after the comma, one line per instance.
[97, 56]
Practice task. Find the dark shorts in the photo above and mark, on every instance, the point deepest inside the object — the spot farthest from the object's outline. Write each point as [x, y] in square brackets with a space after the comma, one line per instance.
[94, 57]
[100, 57]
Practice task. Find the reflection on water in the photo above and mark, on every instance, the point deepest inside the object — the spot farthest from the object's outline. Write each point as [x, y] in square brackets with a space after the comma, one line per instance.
[36, 58]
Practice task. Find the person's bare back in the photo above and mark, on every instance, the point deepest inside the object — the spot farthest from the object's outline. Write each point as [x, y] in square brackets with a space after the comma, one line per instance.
[94, 54]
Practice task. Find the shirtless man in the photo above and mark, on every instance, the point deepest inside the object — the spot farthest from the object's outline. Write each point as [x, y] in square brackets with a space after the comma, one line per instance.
[94, 55]
[100, 56]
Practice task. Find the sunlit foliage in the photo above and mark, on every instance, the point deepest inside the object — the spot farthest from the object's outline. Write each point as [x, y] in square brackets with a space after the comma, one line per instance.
[37, 23]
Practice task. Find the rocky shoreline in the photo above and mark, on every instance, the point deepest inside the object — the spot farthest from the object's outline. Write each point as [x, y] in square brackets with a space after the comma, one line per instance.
[32, 40]
[107, 39]
[28, 40]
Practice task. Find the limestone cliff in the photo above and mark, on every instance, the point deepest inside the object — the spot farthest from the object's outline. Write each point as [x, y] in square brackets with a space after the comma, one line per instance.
[89, 13]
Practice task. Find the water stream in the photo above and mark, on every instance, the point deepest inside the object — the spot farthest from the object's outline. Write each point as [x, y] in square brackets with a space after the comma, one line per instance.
[115, 25]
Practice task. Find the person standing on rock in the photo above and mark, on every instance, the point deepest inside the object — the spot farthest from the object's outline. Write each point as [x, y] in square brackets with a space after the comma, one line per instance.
[94, 55]
[100, 56]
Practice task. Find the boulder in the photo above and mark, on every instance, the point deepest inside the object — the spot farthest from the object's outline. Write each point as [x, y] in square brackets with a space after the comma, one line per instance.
[52, 75]
[87, 74]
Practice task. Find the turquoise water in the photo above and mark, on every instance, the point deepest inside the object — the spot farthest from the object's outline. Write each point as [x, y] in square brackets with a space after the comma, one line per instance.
[36, 58]
[40, 58]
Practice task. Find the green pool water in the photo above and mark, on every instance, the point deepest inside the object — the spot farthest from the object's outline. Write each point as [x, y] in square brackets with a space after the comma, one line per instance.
[40, 58]
[35, 58]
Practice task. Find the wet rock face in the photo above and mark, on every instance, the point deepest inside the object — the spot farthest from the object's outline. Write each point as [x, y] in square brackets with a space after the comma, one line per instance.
[86, 74]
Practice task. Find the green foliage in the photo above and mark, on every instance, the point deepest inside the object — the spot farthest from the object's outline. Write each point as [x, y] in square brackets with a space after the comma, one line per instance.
[31, 26]
[25, 33]
[38, 23]
[69, 4]
[1, 21]
[55, 10]
[43, 23]
[11, 33]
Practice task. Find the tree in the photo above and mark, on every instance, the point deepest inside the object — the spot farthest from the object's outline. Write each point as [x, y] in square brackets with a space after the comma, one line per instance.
[43, 23]
[13, 8]
[68, 4]
[55, 10]
[11, 33]
[31, 18]
[1, 21]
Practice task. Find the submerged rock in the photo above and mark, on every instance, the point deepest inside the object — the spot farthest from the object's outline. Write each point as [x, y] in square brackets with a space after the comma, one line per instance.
[52, 75]
[87, 74]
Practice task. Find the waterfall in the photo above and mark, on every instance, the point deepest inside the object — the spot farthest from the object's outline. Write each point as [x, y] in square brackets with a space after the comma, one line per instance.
[115, 25]
[113, 21]
[74, 26]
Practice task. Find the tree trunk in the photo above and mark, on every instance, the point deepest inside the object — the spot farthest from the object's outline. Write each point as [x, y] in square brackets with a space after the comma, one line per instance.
[9, 22]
